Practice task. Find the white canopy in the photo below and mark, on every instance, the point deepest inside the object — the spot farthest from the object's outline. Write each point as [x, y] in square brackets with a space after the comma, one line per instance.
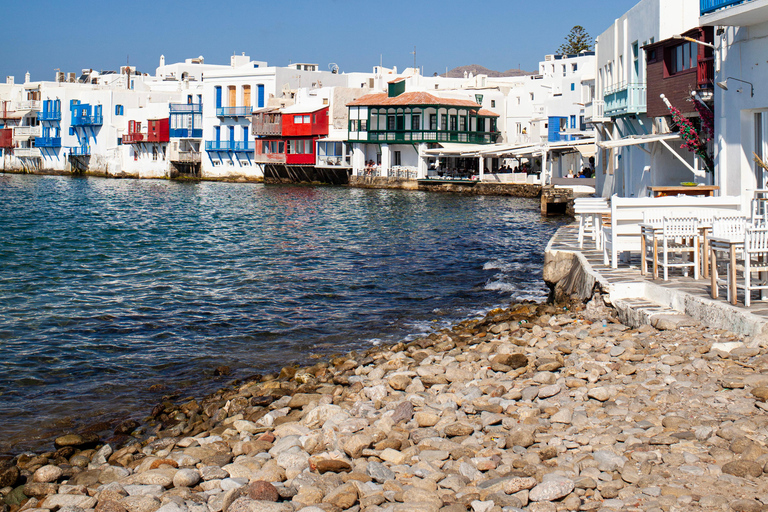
[636, 140]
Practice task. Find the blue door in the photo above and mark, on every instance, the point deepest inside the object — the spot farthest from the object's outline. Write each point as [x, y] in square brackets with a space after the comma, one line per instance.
[245, 137]
[218, 97]
[231, 137]
[217, 132]
[261, 95]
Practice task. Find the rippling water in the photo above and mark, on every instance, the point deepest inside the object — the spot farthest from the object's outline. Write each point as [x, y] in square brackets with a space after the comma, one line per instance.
[108, 287]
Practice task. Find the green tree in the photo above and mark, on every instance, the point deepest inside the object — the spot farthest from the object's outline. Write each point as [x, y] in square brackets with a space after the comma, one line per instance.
[577, 41]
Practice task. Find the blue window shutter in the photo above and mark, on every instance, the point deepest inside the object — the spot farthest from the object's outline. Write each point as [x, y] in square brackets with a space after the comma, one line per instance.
[218, 133]
[218, 96]
[261, 95]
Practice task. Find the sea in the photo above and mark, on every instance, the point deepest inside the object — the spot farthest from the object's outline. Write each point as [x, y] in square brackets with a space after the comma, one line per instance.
[115, 293]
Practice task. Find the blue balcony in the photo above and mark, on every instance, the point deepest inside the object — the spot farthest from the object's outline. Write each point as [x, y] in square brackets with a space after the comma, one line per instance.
[708, 6]
[625, 99]
[48, 142]
[49, 116]
[186, 108]
[80, 151]
[186, 133]
[88, 120]
[226, 145]
[233, 111]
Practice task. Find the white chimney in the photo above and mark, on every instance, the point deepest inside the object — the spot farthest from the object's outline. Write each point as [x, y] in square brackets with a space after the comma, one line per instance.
[26, 77]
[10, 80]
[162, 60]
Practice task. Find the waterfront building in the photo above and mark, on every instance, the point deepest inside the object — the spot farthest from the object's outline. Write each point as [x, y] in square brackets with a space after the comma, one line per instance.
[741, 98]
[633, 153]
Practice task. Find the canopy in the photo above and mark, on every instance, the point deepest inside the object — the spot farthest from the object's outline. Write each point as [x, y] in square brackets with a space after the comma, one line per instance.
[636, 140]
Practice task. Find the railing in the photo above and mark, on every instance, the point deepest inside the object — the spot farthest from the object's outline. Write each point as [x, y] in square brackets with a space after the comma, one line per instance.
[708, 6]
[333, 161]
[26, 152]
[374, 172]
[228, 145]
[25, 132]
[186, 133]
[233, 111]
[269, 158]
[187, 157]
[28, 105]
[401, 171]
[408, 136]
[51, 115]
[262, 129]
[48, 142]
[133, 137]
[625, 99]
[186, 108]
[92, 120]
[80, 151]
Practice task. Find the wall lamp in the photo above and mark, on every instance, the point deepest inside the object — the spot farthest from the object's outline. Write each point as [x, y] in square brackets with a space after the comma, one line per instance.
[724, 85]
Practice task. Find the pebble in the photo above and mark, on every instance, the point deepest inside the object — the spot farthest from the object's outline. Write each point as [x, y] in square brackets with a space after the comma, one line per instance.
[533, 408]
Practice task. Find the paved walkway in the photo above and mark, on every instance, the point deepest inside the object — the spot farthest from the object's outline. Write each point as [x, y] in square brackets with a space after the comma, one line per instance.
[677, 295]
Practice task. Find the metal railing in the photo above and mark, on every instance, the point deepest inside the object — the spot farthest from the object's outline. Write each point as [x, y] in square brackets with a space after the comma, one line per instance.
[402, 171]
[92, 120]
[228, 145]
[51, 115]
[48, 142]
[625, 98]
[186, 108]
[409, 136]
[333, 161]
[709, 6]
[186, 133]
[233, 111]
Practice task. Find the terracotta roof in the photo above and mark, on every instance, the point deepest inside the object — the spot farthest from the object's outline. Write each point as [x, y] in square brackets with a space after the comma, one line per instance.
[409, 98]
[487, 113]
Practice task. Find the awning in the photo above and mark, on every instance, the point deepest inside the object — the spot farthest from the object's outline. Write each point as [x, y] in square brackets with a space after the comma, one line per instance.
[454, 149]
[587, 150]
[636, 140]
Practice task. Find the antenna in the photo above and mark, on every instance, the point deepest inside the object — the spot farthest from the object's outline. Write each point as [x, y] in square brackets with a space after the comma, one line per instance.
[414, 58]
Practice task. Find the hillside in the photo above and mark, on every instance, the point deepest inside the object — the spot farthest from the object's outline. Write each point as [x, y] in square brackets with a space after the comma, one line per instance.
[477, 69]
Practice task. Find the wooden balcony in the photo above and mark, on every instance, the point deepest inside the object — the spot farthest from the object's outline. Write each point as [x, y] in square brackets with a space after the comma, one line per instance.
[27, 152]
[133, 138]
[21, 133]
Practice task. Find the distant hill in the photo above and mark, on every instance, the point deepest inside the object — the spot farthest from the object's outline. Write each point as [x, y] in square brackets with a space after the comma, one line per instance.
[477, 69]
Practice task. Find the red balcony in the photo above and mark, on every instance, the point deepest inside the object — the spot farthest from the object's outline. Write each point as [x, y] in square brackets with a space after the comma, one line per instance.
[158, 130]
[133, 138]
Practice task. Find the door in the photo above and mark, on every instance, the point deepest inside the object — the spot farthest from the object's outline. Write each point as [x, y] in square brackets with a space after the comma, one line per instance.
[261, 95]
[761, 149]
[246, 95]
[232, 90]
[218, 96]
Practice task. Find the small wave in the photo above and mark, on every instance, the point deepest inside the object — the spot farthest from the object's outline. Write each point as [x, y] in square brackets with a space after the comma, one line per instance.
[501, 286]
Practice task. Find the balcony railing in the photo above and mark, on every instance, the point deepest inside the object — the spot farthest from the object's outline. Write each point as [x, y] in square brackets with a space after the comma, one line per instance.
[26, 152]
[48, 142]
[80, 151]
[28, 105]
[333, 161]
[186, 108]
[186, 133]
[266, 129]
[227, 145]
[411, 136]
[51, 115]
[625, 99]
[233, 111]
[708, 6]
[92, 120]
[133, 137]
[186, 157]
[25, 132]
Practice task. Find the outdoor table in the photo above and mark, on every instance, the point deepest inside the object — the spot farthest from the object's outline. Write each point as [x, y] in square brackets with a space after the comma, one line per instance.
[655, 231]
[704, 190]
[730, 246]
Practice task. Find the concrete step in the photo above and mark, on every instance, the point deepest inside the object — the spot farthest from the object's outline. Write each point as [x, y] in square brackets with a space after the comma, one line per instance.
[637, 311]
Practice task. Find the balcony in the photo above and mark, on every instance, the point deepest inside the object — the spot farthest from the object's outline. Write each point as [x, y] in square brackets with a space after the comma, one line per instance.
[233, 111]
[54, 115]
[133, 138]
[88, 120]
[737, 13]
[417, 136]
[27, 152]
[625, 99]
[227, 145]
[186, 108]
[186, 133]
[186, 157]
[21, 133]
[80, 151]
[28, 105]
[709, 6]
[48, 142]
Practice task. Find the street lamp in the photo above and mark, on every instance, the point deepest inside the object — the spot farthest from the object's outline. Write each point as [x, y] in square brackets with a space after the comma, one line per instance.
[692, 40]
[724, 85]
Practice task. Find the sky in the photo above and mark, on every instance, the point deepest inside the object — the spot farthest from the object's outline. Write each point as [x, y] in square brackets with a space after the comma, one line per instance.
[70, 35]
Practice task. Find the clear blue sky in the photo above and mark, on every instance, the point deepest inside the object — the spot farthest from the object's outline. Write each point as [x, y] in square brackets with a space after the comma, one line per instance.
[102, 34]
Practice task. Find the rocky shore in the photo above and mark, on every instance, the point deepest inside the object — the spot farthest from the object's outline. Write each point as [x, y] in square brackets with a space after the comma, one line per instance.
[535, 407]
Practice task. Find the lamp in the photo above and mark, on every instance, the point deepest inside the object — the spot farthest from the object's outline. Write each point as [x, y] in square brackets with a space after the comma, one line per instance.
[724, 85]
[692, 40]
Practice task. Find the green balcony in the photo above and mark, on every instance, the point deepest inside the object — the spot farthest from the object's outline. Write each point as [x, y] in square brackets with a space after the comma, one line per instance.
[419, 136]
[625, 99]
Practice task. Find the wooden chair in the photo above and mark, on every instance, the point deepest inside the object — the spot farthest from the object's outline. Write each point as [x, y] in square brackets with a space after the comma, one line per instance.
[680, 235]
[755, 262]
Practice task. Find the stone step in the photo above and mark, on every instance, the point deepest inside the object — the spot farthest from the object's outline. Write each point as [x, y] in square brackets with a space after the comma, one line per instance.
[637, 311]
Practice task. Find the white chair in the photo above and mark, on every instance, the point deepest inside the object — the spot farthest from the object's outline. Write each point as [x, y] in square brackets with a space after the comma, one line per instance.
[755, 262]
[651, 222]
[589, 211]
[680, 235]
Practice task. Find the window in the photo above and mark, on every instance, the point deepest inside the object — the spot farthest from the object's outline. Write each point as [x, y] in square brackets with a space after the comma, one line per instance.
[363, 125]
[301, 119]
[415, 122]
[564, 70]
[479, 99]
[573, 122]
[391, 123]
[396, 158]
[433, 121]
[443, 121]
[574, 67]
[454, 123]
[683, 57]
[118, 110]
[154, 152]
[493, 102]
[463, 123]
[573, 87]
[532, 96]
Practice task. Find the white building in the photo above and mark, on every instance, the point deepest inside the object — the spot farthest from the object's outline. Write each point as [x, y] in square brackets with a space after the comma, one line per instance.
[741, 114]
[619, 110]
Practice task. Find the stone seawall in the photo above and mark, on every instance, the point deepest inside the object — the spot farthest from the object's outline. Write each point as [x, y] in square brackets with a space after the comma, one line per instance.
[480, 189]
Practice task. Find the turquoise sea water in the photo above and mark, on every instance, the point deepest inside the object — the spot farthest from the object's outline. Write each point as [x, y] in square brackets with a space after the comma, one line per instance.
[108, 287]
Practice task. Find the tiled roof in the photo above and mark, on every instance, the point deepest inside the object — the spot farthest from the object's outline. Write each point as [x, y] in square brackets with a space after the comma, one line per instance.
[487, 113]
[409, 98]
